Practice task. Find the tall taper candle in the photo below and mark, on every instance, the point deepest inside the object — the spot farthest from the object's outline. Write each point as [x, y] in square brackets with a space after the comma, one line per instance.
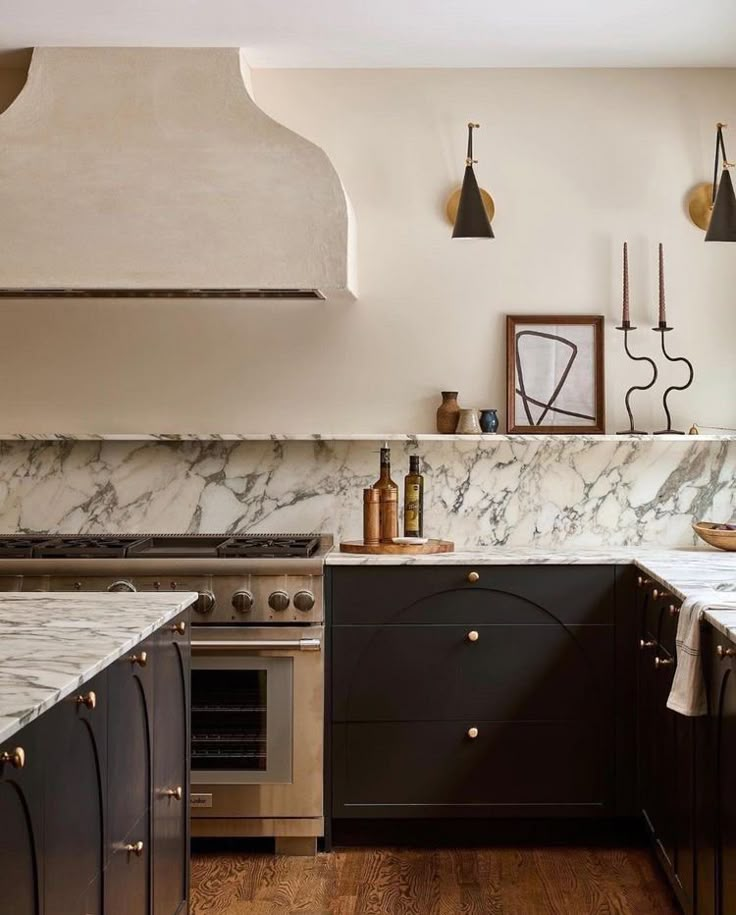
[625, 318]
[662, 312]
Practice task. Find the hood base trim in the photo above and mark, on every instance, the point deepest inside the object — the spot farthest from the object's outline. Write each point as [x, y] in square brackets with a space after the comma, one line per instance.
[91, 293]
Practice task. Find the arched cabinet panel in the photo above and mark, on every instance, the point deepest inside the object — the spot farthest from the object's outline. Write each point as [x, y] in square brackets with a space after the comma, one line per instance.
[21, 825]
[75, 790]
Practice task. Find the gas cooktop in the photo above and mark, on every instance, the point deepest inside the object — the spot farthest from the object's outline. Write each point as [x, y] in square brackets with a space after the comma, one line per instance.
[161, 546]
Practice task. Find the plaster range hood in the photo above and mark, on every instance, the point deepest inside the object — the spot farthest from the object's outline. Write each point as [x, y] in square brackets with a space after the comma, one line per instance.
[150, 172]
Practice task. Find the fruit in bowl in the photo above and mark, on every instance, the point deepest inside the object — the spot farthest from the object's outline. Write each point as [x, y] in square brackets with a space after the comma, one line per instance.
[720, 535]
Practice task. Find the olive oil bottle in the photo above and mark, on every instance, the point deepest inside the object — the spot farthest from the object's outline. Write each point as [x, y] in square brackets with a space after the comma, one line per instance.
[414, 500]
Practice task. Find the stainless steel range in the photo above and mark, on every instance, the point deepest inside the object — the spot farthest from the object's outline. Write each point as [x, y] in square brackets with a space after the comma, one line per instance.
[257, 661]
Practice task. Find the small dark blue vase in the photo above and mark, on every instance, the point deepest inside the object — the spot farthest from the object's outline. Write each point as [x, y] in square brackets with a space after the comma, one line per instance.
[488, 421]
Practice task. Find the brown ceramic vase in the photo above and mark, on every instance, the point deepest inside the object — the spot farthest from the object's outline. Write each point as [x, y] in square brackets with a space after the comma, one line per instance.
[448, 413]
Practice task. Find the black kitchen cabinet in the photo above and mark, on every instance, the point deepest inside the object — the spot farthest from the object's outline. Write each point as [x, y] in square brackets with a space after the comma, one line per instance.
[94, 793]
[666, 745]
[460, 692]
[128, 877]
[719, 858]
[171, 771]
[74, 792]
[21, 822]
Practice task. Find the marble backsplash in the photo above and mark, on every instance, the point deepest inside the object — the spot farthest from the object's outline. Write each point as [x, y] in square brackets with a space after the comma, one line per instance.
[536, 493]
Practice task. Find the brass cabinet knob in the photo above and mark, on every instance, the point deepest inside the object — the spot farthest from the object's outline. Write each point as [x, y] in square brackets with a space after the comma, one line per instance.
[673, 610]
[16, 757]
[655, 594]
[134, 848]
[181, 627]
[89, 700]
[663, 662]
[140, 659]
[472, 733]
[659, 595]
[642, 581]
[646, 643]
[473, 636]
[725, 652]
[177, 793]
[473, 577]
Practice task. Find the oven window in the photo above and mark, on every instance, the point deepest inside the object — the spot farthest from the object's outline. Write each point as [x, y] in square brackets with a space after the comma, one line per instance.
[230, 720]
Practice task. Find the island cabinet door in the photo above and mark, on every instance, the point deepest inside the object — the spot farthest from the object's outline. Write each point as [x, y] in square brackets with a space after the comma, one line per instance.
[75, 739]
[131, 692]
[724, 665]
[171, 769]
[21, 822]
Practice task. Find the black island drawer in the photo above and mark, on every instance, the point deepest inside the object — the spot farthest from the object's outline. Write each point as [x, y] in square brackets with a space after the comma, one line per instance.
[472, 594]
[472, 768]
[502, 672]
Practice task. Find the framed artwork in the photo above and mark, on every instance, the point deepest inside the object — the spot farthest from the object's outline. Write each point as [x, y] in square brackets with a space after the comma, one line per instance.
[555, 374]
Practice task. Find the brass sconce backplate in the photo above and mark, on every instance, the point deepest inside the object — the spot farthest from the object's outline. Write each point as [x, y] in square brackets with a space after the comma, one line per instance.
[700, 204]
[454, 199]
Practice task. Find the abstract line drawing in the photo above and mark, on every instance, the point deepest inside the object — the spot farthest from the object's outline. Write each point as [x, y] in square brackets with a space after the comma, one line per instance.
[548, 405]
[555, 380]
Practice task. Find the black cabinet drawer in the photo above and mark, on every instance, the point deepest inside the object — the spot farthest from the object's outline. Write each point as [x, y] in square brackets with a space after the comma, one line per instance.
[502, 672]
[394, 769]
[445, 594]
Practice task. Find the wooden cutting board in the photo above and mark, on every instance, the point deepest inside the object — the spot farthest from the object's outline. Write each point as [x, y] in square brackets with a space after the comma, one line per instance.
[397, 549]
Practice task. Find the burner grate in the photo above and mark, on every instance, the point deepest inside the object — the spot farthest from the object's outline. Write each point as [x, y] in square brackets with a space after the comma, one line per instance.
[19, 547]
[84, 547]
[270, 546]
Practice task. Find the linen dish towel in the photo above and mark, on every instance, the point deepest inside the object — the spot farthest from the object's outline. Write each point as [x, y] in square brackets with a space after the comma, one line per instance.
[687, 695]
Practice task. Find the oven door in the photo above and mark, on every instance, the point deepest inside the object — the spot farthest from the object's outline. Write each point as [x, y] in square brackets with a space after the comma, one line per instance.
[257, 721]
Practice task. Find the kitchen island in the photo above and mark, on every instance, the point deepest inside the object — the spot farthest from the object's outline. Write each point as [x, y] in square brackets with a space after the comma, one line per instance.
[94, 748]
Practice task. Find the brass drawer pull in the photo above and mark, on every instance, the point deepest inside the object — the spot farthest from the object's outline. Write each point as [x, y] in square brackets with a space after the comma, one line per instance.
[673, 610]
[16, 757]
[646, 643]
[663, 662]
[89, 700]
[473, 635]
[724, 653]
[642, 581]
[472, 733]
[176, 793]
[473, 577]
[181, 627]
[140, 659]
[134, 848]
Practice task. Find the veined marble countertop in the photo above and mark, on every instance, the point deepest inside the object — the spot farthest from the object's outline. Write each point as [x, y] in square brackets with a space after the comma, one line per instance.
[52, 643]
[701, 573]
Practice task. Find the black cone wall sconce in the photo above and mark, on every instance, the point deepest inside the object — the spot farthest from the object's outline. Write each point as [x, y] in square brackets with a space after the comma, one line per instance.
[470, 208]
[713, 206]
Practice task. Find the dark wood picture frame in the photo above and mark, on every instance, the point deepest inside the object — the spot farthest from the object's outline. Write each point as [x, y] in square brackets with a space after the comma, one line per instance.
[598, 427]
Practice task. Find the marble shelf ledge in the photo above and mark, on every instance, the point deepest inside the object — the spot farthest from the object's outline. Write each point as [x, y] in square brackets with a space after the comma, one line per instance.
[346, 437]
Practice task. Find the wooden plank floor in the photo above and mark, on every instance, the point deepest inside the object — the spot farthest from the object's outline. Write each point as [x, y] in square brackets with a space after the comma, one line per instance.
[385, 881]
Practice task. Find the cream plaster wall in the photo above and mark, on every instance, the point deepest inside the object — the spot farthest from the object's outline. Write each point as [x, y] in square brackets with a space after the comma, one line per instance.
[577, 160]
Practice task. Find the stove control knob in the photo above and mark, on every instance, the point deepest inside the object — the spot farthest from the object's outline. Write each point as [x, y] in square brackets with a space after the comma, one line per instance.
[304, 601]
[122, 585]
[242, 601]
[278, 600]
[205, 602]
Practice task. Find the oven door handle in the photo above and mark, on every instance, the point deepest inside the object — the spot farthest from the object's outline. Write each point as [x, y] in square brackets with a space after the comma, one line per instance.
[258, 644]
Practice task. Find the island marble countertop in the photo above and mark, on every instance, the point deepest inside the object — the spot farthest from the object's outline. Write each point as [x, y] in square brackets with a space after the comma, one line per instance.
[699, 573]
[52, 643]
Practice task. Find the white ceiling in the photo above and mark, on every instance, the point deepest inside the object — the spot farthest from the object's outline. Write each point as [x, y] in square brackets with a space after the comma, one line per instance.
[397, 33]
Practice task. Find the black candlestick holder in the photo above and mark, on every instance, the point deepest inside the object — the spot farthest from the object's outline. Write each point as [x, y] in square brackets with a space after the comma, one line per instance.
[662, 328]
[627, 328]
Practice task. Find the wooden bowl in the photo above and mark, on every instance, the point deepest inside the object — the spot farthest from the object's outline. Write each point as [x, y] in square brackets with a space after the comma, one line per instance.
[722, 540]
